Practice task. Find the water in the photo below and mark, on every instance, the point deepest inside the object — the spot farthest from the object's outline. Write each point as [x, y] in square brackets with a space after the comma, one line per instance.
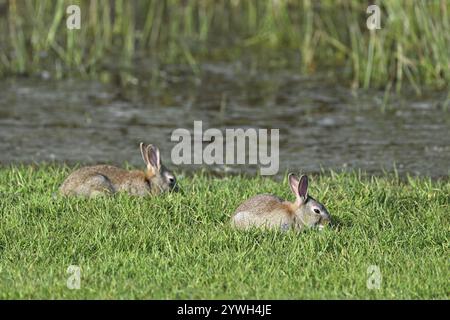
[322, 123]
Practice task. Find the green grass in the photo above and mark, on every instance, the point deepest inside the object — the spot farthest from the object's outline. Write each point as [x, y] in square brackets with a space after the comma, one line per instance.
[411, 48]
[180, 245]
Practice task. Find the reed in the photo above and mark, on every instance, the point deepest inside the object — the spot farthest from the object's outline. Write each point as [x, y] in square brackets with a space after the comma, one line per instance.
[411, 48]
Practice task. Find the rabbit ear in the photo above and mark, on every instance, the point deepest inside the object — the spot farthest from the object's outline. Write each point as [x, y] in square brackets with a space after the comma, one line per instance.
[144, 154]
[294, 183]
[303, 188]
[154, 157]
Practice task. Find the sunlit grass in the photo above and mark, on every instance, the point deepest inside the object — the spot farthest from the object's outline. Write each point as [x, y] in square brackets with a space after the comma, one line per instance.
[181, 246]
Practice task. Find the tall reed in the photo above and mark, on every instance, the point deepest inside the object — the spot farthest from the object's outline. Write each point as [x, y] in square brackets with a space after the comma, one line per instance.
[412, 47]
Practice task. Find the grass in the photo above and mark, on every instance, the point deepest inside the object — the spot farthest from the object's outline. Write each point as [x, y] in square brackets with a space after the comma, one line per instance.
[180, 245]
[411, 48]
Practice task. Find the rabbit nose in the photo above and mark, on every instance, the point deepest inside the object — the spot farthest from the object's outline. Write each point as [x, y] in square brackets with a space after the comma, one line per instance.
[172, 181]
[325, 219]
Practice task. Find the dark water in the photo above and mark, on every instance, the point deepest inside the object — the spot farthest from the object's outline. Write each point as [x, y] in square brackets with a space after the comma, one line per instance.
[322, 124]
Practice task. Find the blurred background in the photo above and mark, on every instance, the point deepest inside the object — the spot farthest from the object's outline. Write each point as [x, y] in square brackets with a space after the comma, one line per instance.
[343, 97]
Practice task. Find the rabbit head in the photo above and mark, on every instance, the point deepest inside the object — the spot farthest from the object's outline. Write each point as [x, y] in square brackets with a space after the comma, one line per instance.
[159, 177]
[308, 211]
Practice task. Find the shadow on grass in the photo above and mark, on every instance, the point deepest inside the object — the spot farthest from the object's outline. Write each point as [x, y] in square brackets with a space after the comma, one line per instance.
[340, 223]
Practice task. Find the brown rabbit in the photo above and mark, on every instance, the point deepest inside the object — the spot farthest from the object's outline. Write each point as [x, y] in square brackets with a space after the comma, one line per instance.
[271, 212]
[104, 179]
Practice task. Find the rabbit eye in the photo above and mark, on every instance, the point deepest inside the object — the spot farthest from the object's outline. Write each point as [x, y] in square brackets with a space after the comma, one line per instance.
[316, 210]
[171, 179]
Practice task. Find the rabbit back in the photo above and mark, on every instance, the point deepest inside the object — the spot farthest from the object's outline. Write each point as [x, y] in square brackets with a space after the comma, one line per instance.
[104, 179]
[263, 211]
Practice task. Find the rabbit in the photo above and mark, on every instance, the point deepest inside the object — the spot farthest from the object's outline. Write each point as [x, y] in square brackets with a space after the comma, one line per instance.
[105, 179]
[271, 212]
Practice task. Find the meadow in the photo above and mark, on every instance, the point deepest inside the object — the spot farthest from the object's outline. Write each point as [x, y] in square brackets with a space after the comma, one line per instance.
[180, 245]
[411, 48]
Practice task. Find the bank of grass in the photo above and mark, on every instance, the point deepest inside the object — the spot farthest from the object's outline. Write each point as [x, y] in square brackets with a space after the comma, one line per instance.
[410, 48]
[180, 245]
